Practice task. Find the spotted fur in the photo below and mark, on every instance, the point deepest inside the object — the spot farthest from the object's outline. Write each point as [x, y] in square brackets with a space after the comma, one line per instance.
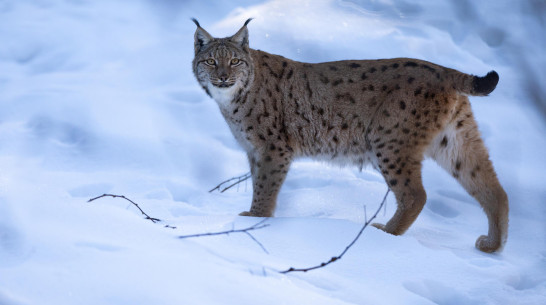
[388, 113]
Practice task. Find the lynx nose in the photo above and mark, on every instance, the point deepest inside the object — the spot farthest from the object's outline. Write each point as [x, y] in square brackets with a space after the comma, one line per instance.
[222, 75]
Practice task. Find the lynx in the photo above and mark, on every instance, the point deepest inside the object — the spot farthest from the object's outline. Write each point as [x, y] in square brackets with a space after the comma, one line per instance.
[389, 113]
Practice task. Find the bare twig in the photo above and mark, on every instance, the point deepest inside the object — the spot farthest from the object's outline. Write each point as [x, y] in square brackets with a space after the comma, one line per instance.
[239, 180]
[336, 258]
[259, 243]
[154, 220]
[259, 225]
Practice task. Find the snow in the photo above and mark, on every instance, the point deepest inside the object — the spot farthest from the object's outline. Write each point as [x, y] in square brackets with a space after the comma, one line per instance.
[98, 97]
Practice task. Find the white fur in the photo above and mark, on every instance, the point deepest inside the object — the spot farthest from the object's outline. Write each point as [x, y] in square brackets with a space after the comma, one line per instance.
[223, 96]
[445, 155]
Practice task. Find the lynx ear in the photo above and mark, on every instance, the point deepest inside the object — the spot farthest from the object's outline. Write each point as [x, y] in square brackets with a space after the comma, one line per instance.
[241, 37]
[202, 37]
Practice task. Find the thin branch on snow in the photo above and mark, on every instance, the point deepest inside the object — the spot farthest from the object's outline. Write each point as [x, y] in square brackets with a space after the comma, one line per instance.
[239, 179]
[336, 258]
[259, 225]
[154, 220]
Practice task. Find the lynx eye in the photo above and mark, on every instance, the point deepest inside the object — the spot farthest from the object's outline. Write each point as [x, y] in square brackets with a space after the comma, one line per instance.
[235, 61]
[211, 62]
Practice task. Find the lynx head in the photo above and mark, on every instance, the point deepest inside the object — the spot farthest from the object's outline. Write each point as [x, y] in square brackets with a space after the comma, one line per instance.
[223, 66]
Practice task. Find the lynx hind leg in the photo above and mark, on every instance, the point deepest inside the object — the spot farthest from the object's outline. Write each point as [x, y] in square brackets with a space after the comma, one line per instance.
[403, 175]
[460, 150]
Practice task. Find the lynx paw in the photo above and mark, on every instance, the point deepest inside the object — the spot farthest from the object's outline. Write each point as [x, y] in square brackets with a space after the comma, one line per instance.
[380, 226]
[254, 214]
[486, 244]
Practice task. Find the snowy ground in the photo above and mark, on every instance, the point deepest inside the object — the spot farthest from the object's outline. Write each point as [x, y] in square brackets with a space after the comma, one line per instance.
[98, 97]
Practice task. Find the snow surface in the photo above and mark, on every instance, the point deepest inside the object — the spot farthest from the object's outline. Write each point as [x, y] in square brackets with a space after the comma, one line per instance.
[98, 97]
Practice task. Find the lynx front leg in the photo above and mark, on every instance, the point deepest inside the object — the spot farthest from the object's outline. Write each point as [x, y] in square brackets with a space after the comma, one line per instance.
[268, 170]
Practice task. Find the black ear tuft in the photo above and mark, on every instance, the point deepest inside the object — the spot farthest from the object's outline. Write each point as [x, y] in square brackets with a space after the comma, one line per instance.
[201, 37]
[241, 37]
[196, 22]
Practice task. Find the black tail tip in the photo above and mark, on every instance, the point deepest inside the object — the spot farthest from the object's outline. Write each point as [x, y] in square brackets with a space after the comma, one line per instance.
[486, 84]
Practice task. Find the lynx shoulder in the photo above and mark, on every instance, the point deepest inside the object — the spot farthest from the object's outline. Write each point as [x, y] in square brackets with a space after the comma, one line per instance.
[389, 113]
